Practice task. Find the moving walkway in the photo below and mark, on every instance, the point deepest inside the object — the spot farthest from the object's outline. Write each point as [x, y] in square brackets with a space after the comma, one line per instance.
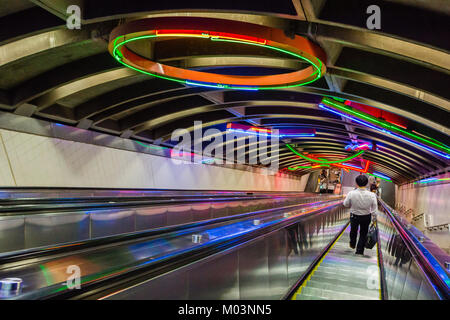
[401, 267]
[342, 275]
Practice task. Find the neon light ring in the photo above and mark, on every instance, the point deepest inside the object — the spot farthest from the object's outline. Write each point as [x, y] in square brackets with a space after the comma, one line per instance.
[217, 30]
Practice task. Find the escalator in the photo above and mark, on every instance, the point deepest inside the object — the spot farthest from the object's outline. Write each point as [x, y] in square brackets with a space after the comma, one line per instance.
[399, 267]
[342, 275]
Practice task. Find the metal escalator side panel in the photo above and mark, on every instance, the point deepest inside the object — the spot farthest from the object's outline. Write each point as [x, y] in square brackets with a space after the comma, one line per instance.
[311, 273]
[405, 275]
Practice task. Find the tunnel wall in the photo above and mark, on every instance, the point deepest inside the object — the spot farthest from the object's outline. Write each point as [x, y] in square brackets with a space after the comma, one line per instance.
[431, 206]
[348, 181]
[432, 200]
[36, 160]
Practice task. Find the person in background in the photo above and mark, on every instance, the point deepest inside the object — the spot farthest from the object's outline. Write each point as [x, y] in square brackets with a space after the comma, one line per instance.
[323, 181]
[373, 188]
[363, 207]
[379, 187]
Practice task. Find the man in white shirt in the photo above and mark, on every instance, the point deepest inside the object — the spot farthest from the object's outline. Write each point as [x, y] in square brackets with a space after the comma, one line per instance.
[363, 206]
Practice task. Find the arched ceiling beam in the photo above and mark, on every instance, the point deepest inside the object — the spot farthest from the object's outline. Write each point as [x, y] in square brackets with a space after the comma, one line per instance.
[404, 167]
[387, 84]
[421, 165]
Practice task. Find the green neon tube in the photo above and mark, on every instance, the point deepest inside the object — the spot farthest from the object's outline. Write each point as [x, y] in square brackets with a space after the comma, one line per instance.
[324, 161]
[47, 276]
[318, 69]
[118, 56]
[373, 175]
[150, 146]
[383, 124]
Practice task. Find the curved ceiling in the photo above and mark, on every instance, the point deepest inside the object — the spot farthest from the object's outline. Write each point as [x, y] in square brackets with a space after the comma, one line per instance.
[68, 76]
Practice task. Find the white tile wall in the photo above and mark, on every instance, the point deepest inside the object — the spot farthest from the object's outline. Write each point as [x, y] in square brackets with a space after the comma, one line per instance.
[6, 178]
[45, 161]
[433, 200]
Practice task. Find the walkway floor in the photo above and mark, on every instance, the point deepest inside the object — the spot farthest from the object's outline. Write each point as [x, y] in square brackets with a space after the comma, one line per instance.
[342, 275]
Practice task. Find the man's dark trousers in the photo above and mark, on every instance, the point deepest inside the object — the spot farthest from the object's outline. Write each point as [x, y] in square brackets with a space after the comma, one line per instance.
[363, 223]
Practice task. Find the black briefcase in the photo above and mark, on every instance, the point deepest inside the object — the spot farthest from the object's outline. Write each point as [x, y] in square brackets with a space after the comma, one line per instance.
[371, 237]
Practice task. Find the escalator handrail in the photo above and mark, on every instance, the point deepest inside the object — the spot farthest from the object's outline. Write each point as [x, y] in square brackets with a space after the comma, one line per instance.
[104, 203]
[155, 192]
[17, 211]
[63, 248]
[433, 271]
[51, 200]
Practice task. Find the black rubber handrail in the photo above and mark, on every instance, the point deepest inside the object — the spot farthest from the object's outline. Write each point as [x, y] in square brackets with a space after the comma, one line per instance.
[67, 193]
[39, 209]
[134, 189]
[28, 201]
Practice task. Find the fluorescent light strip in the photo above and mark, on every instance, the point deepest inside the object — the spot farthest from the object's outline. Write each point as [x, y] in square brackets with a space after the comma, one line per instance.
[349, 117]
[298, 135]
[379, 175]
[269, 134]
[350, 165]
[428, 180]
[219, 86]
[323, 161]
[445, 155]
[368, 117]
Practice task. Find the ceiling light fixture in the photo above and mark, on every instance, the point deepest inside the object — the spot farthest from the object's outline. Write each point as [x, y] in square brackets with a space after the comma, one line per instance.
[217, 30]
[323, 161]
[379, 125]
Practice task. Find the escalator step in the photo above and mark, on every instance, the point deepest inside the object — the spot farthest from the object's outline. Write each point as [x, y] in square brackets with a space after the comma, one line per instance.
[360, 270]
[342, 275]
[333, 295]
[333, 272]
[308, 297]
[341, 281]
[351, 289]
[350, 259]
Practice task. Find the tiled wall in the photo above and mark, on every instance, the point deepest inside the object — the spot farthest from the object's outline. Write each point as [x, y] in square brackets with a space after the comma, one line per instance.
[38, 161]
[6, 177]
[431, 200]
